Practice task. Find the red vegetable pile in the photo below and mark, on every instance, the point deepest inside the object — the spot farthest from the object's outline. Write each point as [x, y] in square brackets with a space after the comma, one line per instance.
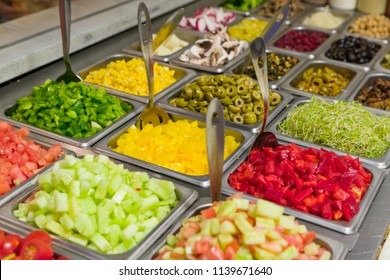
[21, 158]
[315, 181]
[35, 246]
[301, 40]
[208, 19]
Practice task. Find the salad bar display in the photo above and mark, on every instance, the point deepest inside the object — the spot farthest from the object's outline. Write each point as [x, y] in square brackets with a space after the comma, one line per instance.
[88, 183]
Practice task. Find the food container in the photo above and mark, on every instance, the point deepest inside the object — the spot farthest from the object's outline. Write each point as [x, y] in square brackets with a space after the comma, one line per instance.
[181, 76]
[368, 81]
[212, 69]
[7, 109]
[381, 59]
[185, 194]
[344, 227]
[106, 146]
[380, 162]
[191, 30]
[293, 14]
[189, 37]
[244, 13]
[364, 66]
[346, 15]
[58, 251]
[251, 32]
[338, 249]
[286, 99]
[17, 190]
[276, 83]
[310, 54]
[290, 84]
[343, 4]
[355, 17]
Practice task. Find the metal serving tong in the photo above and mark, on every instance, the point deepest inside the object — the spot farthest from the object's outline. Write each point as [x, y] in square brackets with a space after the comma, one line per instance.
[65, 19]
[258, 51]
[269, 31]
[215, 137]
[151, 114]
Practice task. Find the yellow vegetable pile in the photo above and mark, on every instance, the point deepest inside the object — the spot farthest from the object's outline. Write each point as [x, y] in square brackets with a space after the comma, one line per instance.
[247, 29]
[179, 145]
[130, 76]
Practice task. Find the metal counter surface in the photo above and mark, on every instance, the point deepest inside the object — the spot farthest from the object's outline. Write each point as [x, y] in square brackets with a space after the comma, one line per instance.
[363, 245]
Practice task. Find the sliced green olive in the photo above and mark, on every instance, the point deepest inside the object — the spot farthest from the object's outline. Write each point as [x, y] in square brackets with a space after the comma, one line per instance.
[250, 118]
[238, 118]
[234, 109]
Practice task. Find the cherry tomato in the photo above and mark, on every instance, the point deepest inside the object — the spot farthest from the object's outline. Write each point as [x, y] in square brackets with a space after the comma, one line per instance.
[34, 249]
[39, 235]
[2, 235]
[10, 244]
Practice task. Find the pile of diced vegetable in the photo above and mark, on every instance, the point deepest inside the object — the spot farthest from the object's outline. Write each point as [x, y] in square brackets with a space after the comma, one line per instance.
[97, 203]
[75, 109]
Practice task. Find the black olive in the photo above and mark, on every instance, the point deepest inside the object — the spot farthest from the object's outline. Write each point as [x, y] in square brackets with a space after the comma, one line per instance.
[351, 57]
[342, 56]
[362, 60]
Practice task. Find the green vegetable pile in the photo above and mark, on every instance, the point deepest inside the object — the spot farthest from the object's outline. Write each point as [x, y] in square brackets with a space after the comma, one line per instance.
[341, 125]
[75, 109]
[241, 5]
[96, 203]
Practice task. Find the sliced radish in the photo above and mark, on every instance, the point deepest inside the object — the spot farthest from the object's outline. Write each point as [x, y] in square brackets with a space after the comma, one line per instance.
[201, 24]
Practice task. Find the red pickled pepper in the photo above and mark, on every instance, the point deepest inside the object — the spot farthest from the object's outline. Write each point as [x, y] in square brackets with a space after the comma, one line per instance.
[312, 180]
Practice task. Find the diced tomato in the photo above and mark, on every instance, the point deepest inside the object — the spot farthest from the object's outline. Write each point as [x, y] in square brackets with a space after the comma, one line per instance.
[215, 253]
[308, 237]
[201, 247]
[272, 247]
[208, 213]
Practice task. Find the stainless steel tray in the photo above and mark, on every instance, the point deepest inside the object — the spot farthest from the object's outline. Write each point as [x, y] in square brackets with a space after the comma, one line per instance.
[355, 16]
[18, 190]
[58, 251]
[212, 69]
[345, 14]
[310, 55]
[181, 76]
[193, 31]
[381, 162]
[185, 193]
[368, 81]
[291, 82]
[251, 18]
[280, 52]
[338, 249]
[286, 99]
[364, 66]
[344, 227]
[6, 109]
[106, 145]
[135, 48]
[378, 63]
[290, 19]
[244, 13]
